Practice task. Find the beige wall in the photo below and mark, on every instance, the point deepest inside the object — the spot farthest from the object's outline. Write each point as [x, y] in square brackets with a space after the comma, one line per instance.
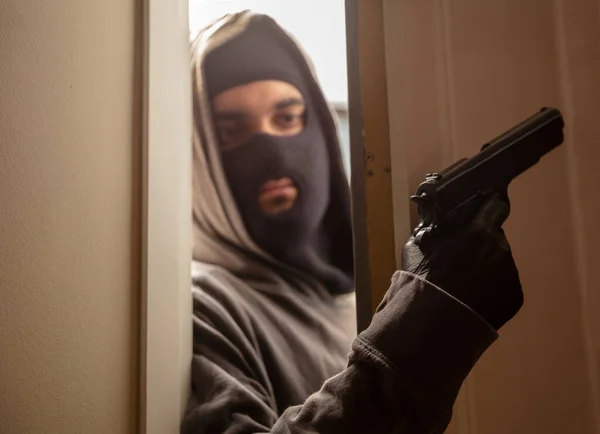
[69, 241]
[459, 73]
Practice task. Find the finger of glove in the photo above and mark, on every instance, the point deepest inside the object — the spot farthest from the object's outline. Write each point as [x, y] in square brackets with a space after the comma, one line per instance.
[412, 257]
[492, 214]
[484, 231]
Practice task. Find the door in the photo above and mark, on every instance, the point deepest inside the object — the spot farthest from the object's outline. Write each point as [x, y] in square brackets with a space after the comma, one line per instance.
[459, 73]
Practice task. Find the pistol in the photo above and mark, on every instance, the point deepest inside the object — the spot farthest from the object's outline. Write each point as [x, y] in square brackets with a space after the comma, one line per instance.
[451, 198]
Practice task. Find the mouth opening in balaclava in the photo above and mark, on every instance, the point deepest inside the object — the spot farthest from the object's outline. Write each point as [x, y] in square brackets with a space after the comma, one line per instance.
[299, 237]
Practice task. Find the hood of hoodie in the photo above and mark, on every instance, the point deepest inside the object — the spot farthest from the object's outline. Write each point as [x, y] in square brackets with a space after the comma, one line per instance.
[220, 237]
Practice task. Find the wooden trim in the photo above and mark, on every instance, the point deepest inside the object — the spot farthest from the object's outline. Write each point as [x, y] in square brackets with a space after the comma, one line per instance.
[362, 263]
[372, 168]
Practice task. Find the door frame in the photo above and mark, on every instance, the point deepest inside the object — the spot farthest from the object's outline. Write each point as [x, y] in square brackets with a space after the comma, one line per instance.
[379, 183]
[166, 323]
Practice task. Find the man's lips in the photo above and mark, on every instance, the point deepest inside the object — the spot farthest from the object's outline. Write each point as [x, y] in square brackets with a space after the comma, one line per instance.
[277, 196]
[277, 187]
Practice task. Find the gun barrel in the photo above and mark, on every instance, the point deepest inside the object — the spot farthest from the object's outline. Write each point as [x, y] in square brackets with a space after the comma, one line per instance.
[502, 159]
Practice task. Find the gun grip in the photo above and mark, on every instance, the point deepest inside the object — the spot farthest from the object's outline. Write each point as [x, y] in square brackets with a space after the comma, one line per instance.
[494, 212]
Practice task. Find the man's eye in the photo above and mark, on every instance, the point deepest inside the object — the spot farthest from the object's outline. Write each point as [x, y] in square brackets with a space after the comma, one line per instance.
[289, 120]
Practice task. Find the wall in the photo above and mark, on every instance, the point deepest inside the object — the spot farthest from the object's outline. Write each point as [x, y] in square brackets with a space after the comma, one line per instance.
[69, 238]
[459, 73]
[322, 34]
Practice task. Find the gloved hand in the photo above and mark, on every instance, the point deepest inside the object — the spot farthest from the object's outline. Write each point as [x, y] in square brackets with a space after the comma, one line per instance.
[474, 264]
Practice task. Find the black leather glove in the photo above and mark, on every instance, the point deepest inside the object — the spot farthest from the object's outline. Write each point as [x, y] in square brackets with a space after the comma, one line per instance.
[474, 264]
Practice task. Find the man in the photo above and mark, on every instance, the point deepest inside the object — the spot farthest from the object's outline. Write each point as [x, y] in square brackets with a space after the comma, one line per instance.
[274, 319]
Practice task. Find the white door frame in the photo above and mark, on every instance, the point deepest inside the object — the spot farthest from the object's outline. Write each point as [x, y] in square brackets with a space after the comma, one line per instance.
[166, 341]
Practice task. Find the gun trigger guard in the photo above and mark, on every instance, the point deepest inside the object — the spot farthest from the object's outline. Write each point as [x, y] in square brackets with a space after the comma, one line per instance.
[427, 212]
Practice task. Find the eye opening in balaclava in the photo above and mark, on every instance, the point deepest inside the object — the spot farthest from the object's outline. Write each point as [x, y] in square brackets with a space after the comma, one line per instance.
[299, 237]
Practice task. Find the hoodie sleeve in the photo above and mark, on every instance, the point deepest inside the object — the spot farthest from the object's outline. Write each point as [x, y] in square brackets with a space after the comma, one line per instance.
[403, 374]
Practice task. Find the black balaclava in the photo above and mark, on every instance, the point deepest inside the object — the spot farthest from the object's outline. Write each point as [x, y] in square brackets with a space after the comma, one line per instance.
[304, 237]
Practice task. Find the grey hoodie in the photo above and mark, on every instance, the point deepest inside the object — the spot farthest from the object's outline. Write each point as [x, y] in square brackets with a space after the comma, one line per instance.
[275, 351]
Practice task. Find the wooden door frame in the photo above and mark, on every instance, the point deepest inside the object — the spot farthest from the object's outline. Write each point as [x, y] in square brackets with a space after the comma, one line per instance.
[379, 184]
